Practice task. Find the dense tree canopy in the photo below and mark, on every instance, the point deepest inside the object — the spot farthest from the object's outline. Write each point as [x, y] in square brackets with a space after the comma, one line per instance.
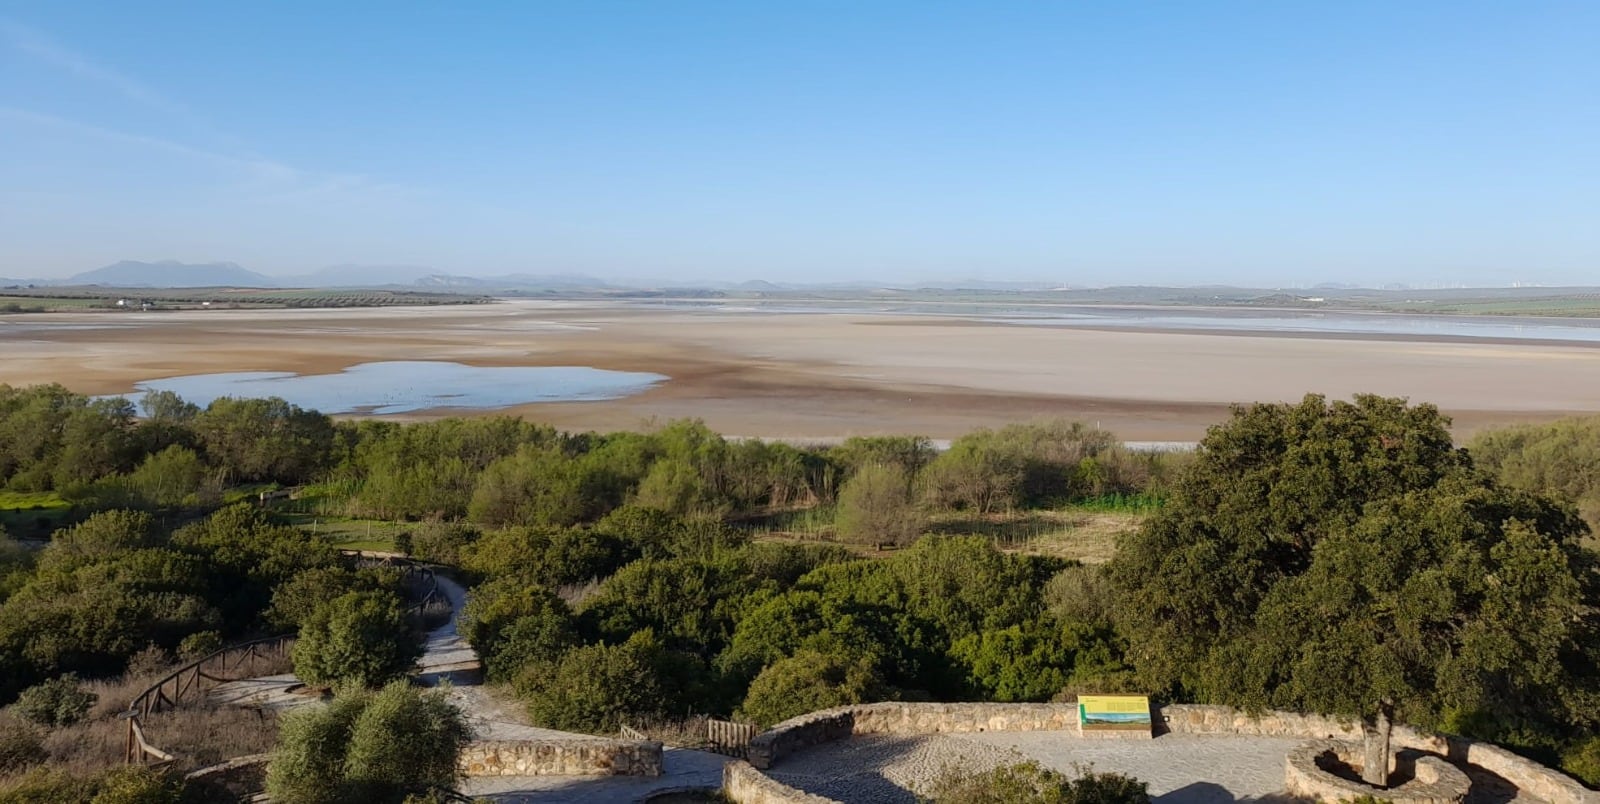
[1346, 558]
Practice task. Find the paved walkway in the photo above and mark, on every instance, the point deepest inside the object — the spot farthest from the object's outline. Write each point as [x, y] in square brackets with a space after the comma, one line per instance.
[1180, 769]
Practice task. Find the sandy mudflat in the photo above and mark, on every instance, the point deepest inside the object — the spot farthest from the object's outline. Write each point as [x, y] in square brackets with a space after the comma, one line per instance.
[824, 374]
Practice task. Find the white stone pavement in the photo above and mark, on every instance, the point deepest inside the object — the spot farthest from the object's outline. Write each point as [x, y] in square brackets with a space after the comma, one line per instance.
[1180, 769]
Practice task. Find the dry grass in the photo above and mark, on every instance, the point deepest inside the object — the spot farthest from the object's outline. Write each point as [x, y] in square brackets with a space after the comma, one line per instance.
[198, 733]
[1087, 536]
[687, 732]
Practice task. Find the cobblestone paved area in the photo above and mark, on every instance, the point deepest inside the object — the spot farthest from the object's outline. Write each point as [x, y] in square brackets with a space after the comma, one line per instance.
[1179, 769]
[682, 770]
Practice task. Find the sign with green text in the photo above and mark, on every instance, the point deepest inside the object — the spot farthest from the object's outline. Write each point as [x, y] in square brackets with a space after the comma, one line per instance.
[1113, 713]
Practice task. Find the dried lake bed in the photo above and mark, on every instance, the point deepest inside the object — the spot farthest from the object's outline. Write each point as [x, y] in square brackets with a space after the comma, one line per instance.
[825, 372]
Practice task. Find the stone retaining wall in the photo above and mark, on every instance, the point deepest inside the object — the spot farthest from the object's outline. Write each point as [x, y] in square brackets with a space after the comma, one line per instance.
[935, 718]
[575, 757]
[842, 722]
[743, 784]
[1433, 780]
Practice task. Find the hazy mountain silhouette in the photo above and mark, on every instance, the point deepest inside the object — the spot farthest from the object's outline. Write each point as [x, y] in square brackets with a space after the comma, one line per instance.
[173, 274]
[350, 275]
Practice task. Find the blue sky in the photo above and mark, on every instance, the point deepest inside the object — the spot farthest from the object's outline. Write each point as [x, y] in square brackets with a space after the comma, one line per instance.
[1267, 143]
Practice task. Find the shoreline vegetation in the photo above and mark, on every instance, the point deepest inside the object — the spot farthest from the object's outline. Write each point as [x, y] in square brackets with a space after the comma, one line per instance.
[646, 577]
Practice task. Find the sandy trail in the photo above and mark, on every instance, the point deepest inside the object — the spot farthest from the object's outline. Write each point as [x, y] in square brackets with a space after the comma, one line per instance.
[822, 374]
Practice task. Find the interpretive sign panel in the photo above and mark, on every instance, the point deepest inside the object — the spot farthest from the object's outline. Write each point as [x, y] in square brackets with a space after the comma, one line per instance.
[1114, 713]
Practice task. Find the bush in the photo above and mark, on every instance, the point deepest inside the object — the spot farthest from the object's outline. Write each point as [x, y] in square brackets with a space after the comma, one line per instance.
[1583, 761]
[875, 507]
[20, 746]
[199, 644]
[44, 786]
[1030, 783]
[138, 785]
[595, 688]
[61, 701]
[358, 638]
[808, 681]
[512, 623]
[368, 747]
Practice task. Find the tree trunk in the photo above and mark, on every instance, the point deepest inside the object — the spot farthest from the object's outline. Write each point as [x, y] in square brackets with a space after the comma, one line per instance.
[1375, 753]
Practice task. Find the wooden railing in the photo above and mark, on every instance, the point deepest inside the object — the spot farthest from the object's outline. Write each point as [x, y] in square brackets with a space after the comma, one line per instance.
[730, 739]
[419, 578]
[631, 733]
[232, 663]
[225, 665]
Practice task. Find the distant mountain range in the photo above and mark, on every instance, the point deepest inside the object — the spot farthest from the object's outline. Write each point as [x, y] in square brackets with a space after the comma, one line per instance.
[171, 274]
[174, 274]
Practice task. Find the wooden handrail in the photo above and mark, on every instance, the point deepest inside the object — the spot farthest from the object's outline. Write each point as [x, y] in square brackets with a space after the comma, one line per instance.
[155, 697]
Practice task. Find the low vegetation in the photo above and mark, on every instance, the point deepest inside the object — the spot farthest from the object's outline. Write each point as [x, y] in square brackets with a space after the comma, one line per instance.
[658, 576]
[1029, 783]
[368, 747]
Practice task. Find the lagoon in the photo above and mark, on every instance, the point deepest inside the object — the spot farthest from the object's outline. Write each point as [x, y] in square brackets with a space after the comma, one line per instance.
[406, 386]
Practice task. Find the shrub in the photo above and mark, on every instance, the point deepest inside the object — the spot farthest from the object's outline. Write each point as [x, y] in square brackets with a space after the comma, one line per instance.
[20, 746]
[43, 786]
[808, 681]
[198, 644]
[1030, 783]
[595, 688]
[358, 638]
[368, 747]
[138, 785]
[61, 701]
[875, 506]
[512, 623]
[1583, 761]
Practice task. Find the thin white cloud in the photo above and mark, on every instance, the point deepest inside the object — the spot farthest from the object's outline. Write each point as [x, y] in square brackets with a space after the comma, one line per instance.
[36, 44]
[260, 169]
[267, 179]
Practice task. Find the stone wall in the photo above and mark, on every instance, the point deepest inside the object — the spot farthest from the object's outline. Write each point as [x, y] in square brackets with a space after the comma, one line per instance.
[1196, 719]
[1532, 778]
[935, 718]
[574, 757]
[743, 784]
[905, 718]
[1433, 780]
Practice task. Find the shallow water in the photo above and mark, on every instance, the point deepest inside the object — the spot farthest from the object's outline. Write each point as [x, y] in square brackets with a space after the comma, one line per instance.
[1332, 323]
[405, 386]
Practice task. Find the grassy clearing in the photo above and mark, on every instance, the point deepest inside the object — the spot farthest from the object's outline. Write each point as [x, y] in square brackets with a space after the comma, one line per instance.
[32, 501]
[1081, 534]
[33, 514]
[1086, 531]
[350, 534]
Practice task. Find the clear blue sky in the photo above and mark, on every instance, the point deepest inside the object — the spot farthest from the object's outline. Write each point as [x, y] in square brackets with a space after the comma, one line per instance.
[1267, 143]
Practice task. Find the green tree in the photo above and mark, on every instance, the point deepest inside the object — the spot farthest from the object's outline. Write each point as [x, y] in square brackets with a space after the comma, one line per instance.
[357, 638]
[1424, 578]
[368, 747]
[264, 440]
[596, 688]
[511, 623]
[1561, 458]
[172, 477]
[875, 506]
[809, 681]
